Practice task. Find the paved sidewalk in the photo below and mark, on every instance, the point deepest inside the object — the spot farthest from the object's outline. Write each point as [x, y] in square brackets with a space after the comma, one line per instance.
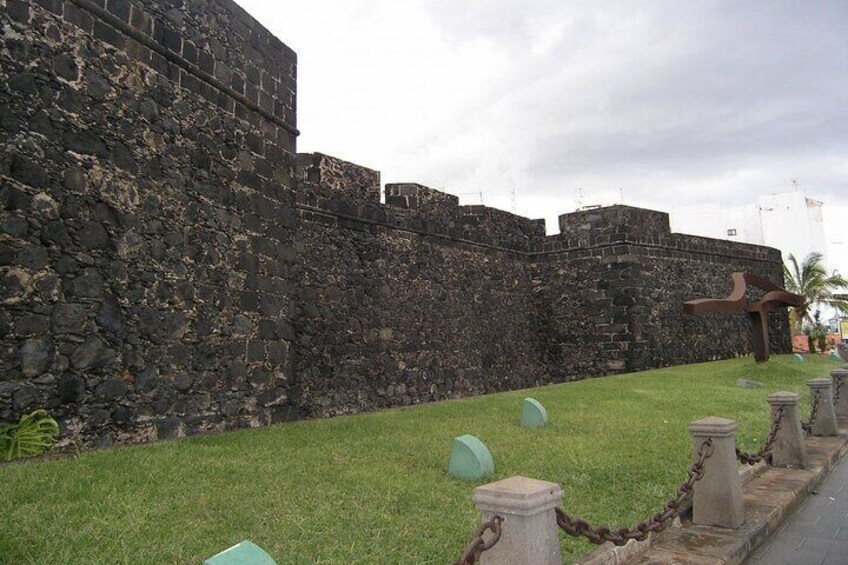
[817, 533]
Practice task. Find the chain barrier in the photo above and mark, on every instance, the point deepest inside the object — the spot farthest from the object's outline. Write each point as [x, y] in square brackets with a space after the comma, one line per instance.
[765, 452]
[838, 390]
[478, 545]
[808, 425]
[656, 523]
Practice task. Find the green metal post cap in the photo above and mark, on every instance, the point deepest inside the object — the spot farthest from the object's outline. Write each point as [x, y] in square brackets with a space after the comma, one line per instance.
[798, 358]
[470, 459]
[533, 414]
[243, 553]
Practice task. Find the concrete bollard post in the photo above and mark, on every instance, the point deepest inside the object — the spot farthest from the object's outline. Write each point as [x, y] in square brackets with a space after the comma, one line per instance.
[788, 449]
[529, 530]
[718, 495]
[824, 423]
[840, 383]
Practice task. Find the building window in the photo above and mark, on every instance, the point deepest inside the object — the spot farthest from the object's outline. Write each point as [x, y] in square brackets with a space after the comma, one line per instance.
[731, 231]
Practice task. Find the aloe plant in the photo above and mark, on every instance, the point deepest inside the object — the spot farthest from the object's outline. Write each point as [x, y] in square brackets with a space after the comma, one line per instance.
[34, 434]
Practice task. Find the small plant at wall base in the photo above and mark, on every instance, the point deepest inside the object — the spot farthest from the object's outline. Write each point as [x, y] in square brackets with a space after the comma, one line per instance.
[34, 434]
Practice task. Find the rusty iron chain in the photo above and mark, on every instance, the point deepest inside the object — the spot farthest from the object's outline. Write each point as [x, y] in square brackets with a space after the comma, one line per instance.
[765, 452]
[478, 545]
[656, 523]
[808, 425]
[838, 390]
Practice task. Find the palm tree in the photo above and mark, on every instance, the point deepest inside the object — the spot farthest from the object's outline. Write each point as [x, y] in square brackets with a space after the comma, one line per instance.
[810, 280]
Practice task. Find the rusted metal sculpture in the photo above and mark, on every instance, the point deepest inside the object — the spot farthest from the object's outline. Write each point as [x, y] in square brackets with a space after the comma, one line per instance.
[758, 310]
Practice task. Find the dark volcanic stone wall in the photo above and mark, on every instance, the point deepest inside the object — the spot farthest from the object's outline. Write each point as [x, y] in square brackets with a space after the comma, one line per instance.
[169, 265]
[400, 306]
[423, 299]
[147, 221]
[612, 283]
[690, 267]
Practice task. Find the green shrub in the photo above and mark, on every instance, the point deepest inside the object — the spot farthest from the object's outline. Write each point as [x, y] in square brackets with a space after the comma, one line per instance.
[816, 335]
[34, 434]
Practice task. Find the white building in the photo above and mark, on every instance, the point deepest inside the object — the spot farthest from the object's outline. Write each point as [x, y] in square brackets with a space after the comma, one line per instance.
[792, 222]
[788, 221]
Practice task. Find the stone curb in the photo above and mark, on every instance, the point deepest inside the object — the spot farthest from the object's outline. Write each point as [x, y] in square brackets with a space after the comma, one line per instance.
[771, 495]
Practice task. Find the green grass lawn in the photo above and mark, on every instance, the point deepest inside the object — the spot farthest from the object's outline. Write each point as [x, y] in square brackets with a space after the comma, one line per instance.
[373, 488]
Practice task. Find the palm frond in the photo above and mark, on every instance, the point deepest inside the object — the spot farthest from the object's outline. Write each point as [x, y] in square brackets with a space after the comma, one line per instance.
[811, 280]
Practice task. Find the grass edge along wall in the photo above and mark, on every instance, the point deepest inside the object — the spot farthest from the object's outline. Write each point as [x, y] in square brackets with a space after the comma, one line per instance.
[373, 488]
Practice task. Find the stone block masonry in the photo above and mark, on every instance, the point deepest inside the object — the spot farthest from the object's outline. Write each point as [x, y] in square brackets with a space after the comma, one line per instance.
[148, 218]
[614, 281]
[170, 265]
[465, 300]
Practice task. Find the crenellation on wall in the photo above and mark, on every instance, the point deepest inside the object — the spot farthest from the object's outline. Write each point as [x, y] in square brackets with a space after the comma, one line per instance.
[612, 224]
[410, 207]
[418, 196]
[333, 173]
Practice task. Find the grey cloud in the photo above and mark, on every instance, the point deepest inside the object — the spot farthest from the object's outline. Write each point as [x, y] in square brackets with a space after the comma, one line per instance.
[678, 90]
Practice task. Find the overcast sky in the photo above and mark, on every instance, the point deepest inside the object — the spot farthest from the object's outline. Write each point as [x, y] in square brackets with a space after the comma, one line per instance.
[544, 105]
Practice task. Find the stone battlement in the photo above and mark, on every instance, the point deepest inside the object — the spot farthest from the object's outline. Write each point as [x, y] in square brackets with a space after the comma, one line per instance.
[331, 185]
[348, 194]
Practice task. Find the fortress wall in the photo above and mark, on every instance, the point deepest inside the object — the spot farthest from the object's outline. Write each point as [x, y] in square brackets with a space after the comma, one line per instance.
[169, 265]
